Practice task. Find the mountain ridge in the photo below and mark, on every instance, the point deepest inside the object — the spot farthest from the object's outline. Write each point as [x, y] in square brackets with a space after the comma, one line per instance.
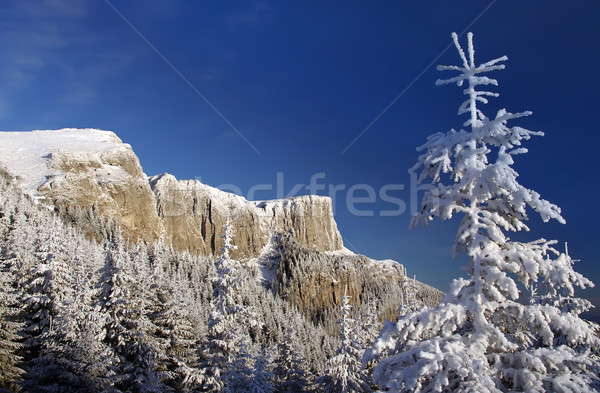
[92, 168]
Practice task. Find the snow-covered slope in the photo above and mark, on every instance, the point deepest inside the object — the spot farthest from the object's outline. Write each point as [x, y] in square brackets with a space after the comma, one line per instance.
[33, 156]
[84, 168]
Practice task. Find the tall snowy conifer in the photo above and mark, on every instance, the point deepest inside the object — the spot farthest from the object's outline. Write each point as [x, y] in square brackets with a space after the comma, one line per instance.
[46, 282]
[262, 380]
[409, 296]
[227, 342]
[71, 356]
[344, 372]
[179, 332]
[10, 325]
[485, 336]
[119, 299]
[290, 370]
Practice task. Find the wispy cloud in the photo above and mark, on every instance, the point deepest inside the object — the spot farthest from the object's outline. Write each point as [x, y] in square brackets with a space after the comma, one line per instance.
[27, 48]
[253, 14]
[51, 41]
[183, 78]
[54, 8]
[78, 93]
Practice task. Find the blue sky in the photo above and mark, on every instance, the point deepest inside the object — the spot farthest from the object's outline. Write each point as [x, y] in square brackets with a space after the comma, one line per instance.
[300, 81]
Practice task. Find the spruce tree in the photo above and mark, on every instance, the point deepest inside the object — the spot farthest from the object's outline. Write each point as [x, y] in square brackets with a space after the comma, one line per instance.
[409, 296]
[10, 326]
[262, 380]
[119, 298]
[291, 374]
[485, 336]
[227, 345]
[70, 355]
[344, 372]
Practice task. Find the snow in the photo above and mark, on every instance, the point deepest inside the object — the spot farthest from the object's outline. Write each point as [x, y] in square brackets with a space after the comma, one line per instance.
[484, 336]
[383, 264]
[266, 264]
[387, 264]
[343, 252]
[30, 155]
[232, 203]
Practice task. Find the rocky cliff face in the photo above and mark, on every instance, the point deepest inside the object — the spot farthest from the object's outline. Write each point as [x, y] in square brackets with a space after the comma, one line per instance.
[193, 215]
[315, 281]
[84, 168]
[113, 183]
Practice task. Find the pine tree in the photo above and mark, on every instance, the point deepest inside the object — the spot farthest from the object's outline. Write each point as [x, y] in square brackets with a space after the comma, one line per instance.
[262, 380]
[46, 284]
[71, 357]
[484, 336]
[179, 333]
[227, 341]
[344, 372]
[291, 374]
[10, 325]
[119, 299]
[238, 372]
[409, 296]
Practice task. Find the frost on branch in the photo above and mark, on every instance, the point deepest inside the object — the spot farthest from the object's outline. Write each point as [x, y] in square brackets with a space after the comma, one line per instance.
[486, 336]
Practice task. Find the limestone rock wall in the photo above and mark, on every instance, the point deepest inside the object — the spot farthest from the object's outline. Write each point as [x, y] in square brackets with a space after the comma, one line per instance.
[315, 281]
[193, 215]
[113, 183]
[95, 171]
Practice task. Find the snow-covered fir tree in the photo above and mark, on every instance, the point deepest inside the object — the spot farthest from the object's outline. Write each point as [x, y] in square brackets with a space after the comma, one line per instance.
[486, 336]
[107, 316]
[39, 294]
[179, 333]
[262, 380]
[125, 326]
[290, 369]
[344, 372]
[368, 326]
[10, 326]
[409, 296]
[10, 372]
[227, 347]
[71, 356]
[49, 292]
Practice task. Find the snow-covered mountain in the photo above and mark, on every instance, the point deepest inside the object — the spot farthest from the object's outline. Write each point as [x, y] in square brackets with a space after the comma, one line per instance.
[94, 169]
[84, 173]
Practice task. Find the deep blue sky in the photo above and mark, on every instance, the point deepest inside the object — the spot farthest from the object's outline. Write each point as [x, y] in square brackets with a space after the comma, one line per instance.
[300, 80]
